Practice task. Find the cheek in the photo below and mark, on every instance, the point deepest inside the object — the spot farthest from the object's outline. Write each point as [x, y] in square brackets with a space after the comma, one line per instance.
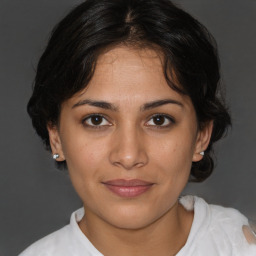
[83, 156]
[84, 160]
[174, 151]
[173, 158]
[79, 147]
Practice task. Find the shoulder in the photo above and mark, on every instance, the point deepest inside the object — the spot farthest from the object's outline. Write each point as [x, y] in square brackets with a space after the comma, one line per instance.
[63, 242]
[233, 222]
[226, 230]
[227, 217]
[250, 234]
[216, 230]
[66, 241]
[52, 244]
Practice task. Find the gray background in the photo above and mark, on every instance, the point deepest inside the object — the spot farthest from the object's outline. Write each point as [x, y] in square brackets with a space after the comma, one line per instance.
[35, 198]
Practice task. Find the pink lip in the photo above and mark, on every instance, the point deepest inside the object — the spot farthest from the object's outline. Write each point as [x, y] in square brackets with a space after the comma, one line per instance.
[128, 188]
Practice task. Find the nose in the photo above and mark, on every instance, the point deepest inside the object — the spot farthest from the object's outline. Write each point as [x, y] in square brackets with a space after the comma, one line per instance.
[128, 149]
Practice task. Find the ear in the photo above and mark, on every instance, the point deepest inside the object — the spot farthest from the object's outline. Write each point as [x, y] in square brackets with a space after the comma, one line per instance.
[202, 141]
[55, 141]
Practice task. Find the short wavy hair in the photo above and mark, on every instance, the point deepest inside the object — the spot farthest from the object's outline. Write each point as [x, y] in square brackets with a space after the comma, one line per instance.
[190, 53]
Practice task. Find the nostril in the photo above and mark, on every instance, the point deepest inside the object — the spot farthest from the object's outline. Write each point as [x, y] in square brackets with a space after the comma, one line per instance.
[128, 165]
[128, 152]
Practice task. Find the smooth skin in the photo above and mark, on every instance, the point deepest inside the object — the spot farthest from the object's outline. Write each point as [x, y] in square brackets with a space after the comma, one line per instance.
[129, 124]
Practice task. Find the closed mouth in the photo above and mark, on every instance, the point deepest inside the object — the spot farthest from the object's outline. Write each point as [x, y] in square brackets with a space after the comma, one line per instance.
[127, 183]
[128, 188]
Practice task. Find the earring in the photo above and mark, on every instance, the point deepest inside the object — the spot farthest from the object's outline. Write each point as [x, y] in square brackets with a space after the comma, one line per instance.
[55, 156]
[202, 153]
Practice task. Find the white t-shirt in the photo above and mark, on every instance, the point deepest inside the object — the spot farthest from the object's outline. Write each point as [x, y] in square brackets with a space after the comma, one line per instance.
[215, 231]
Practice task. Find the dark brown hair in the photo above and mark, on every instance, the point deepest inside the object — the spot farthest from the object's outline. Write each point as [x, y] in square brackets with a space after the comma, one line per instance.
[189, 51]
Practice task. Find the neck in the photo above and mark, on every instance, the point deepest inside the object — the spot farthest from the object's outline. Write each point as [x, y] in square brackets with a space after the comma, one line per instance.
[164, 237]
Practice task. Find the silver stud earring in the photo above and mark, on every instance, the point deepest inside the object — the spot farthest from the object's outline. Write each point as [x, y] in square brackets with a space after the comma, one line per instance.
[55, 156]
[202, 153]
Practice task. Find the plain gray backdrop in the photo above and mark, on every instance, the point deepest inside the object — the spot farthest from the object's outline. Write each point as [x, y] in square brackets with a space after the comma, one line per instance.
[35, 198]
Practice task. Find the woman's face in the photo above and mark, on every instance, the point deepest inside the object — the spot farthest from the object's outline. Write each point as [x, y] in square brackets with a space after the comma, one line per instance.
[129, 140]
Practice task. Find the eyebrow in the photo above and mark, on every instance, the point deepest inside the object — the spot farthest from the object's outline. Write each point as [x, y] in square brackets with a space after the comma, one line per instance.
[94, 103]
[110, 106]
[158, 103]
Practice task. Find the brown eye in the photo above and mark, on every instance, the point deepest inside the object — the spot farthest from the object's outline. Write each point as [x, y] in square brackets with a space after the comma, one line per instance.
[96, 121]
[160, 121]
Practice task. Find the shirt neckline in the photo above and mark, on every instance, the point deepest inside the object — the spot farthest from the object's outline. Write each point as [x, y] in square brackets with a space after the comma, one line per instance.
[200, 224]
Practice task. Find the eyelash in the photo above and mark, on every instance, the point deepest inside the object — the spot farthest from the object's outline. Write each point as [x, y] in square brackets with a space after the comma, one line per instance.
[100, 126]
[166, 117]
[95, 126]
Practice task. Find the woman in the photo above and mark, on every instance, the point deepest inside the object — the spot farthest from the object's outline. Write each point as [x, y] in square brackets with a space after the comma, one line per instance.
[126, 97]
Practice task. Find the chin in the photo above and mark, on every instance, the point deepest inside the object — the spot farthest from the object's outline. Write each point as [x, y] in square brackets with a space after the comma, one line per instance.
[132, 217]
[125, 222]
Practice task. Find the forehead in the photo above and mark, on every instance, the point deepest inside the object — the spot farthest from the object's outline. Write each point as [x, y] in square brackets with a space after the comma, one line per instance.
[125, 67]
[127, 73]
[131, 56]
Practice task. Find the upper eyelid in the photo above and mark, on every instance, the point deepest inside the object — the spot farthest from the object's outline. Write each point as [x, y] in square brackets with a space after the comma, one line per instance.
[171, 122]
[95, 114]
[164, 115]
